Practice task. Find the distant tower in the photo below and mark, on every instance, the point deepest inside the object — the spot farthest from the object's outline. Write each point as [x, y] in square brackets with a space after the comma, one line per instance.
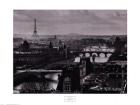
[35, 29]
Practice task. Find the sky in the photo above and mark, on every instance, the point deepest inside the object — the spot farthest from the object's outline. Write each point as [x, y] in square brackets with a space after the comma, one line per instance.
[65, 22]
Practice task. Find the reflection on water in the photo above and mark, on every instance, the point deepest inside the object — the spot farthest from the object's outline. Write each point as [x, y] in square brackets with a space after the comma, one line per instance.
[49, 84]
[101, 59]
[52, 76]
[54, 80]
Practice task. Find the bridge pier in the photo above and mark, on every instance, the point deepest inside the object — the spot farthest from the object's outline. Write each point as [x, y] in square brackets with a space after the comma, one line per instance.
[105, 54]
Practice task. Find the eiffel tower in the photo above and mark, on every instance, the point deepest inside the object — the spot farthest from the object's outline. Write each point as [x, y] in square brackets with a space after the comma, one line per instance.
[35, 29]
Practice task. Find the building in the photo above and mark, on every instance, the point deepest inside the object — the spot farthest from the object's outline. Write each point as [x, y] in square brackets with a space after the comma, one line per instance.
[25, 56]
[69, 81]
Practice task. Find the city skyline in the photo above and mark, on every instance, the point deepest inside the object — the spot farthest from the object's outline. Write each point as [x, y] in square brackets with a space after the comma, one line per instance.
[67, 22]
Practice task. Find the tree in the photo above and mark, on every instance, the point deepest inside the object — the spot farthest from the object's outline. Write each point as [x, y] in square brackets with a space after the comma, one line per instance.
[50, 45]
[25, 45]
[118, 45]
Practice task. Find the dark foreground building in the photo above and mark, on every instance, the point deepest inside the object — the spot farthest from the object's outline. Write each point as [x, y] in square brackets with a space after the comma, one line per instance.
[69, 81]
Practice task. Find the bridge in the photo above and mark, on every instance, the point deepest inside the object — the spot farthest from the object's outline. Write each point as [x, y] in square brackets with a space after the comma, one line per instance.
[92, 53]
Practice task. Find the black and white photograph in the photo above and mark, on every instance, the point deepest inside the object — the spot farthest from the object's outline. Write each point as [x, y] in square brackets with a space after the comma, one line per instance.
[70, 51]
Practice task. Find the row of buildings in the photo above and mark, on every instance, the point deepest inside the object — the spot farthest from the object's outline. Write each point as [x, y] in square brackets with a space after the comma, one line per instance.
[26, 56]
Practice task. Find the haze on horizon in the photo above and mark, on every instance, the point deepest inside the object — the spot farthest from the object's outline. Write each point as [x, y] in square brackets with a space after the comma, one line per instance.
[64, 22]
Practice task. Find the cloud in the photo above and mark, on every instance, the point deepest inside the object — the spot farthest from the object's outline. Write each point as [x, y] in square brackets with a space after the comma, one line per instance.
[71, 21]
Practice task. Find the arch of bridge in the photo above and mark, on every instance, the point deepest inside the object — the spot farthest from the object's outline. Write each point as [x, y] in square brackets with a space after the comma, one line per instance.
[94, 54]
[105, 54]
[102, 55]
